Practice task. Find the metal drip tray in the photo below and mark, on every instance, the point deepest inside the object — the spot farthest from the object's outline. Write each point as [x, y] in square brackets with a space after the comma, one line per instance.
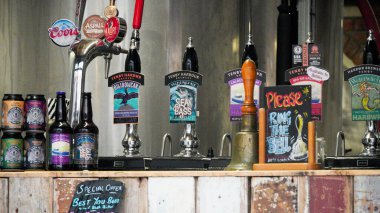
[352, 162]
[177, 163]
[124, 163]
[219, 163]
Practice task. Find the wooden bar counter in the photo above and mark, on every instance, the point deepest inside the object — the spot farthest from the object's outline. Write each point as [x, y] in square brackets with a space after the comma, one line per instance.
[201, 191]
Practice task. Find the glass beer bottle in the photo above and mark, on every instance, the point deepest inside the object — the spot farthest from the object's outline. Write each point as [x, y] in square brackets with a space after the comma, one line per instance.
[60, 137]
[86, 138]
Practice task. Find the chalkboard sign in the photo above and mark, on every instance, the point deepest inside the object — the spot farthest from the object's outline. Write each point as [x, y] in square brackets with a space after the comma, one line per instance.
[288, 111]
[97, 196]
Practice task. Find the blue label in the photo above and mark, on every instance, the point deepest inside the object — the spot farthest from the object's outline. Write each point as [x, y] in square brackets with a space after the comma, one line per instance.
[86, 148]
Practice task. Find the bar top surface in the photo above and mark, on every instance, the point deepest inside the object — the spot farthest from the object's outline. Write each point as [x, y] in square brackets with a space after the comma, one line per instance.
[135, 174]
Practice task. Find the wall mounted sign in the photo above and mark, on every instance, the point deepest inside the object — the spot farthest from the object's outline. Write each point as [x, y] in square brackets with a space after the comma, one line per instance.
[365, 91]
[310, 76]
[234, 80]
[288, 111]
[97, 196]
[308, 54]
[93, 27]
[126, 96]
[183, 95]
[63, 32]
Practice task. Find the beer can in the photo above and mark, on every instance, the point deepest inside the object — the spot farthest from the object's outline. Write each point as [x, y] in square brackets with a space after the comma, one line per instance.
[12, 145]
[35, 109]
[35, 150]
[12, 116]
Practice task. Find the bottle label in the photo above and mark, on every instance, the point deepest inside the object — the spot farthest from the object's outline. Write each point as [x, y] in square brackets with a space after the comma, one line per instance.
[60, 148]
[86, 149]
[12, 153]
[13, 114]
[35, 114]
[35, 153]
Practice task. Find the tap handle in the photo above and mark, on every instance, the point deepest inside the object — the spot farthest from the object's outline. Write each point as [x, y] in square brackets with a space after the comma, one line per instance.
[107, 63]
[137, 16]
[248, 72]
[81, 5]
[112, 2]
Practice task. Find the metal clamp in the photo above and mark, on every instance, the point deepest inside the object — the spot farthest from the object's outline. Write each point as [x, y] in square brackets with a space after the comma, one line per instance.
[169, 139]
[226, 136]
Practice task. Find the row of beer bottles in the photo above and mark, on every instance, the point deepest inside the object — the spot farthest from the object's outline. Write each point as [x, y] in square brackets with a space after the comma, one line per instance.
[73, 149]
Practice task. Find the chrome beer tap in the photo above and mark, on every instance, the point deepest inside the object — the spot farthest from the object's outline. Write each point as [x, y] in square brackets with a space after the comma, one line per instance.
[82, 52]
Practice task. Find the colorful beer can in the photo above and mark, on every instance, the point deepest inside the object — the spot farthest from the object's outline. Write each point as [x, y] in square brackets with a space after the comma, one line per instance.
[35, 150]
[35, 109]
[12, 145]
[12, 112]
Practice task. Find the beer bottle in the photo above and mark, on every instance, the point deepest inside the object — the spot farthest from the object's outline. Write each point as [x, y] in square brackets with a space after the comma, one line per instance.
[132, 62]
[190, 59]
[86, 138]
[60, 137]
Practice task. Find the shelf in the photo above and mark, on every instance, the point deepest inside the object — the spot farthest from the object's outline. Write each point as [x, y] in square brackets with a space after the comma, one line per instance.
[120, 174]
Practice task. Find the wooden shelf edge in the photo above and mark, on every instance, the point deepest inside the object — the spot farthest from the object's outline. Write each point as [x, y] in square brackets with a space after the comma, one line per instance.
[142, 174]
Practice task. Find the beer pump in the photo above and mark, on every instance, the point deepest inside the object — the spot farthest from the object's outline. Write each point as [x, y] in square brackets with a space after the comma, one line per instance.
[131, 141]
[245, 144]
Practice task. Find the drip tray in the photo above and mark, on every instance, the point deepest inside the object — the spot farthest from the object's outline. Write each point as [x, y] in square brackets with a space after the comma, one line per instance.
[177, 163]
[219, 163]
[352, 162]
[124, 163]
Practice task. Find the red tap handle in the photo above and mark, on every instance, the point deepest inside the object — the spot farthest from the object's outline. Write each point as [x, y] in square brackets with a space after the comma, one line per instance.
[248, 73]
[137, 16]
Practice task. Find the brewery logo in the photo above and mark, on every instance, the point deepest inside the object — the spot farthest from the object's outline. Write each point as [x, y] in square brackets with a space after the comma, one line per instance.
[13, 154]
[63, 32]
[297, 50]
[15, 115]
[93, 27]
[36, 155]
[115, 29]
[35, 116]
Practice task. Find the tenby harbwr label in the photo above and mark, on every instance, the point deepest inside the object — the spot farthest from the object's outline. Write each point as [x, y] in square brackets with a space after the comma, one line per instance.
[126, 96]
[60, 148]
[183, 95]
[237, 93]
[85, 150]
[13, 153]
[13, 114]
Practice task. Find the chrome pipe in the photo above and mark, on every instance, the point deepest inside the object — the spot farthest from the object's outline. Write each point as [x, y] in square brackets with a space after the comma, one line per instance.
[226, 136]
[340, 139]
[167, 138]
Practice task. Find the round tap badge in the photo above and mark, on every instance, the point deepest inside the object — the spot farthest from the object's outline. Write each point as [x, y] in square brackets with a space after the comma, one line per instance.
[115, 29]
[93, 27]
[63, 32]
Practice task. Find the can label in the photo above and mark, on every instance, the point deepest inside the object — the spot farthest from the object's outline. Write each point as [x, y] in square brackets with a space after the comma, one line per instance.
[35, 153]
[60, 148]
[35, 115]
[13, 114]
[12, 153]
[85, 151]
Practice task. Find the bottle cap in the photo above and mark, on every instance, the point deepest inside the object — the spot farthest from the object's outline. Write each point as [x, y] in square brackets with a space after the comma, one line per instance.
[190, 44]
